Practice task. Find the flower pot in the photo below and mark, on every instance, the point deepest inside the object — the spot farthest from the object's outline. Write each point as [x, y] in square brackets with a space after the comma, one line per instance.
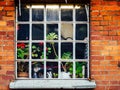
[23, 74]
[65, 75]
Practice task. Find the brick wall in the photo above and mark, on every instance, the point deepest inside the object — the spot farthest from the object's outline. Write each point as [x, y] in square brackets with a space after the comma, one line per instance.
[105, 43]
[7, 17]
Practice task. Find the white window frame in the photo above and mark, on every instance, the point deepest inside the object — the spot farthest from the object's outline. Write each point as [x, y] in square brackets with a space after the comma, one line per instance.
[55, 83]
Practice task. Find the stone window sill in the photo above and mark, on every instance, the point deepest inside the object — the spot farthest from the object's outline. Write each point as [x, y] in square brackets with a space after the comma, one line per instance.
[48, 84]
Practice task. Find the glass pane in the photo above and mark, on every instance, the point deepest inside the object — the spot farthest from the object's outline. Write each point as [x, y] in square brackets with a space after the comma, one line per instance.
[81, 31]
[52, 32]
[37, 32]
[52, 50]
[66, 31]
[66, 70]
[81, 51]
[81, 14]
[52, 70]
[52, 13]
[23, 69]
[37, 14]
[23, 32]
[66, 50]
[81, 70]
[24, 14]
[37, 50]
[37, 69]
[66, 14]
[22, 51]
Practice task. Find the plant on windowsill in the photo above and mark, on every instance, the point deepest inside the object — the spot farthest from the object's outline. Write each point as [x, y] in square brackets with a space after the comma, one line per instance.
[22, 69]
[22, 51]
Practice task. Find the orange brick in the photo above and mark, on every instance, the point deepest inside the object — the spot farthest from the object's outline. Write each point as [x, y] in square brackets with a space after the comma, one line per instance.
[2, 23]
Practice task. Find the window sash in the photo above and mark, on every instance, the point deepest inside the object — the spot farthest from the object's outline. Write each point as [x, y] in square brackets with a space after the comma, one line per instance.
[45, 22]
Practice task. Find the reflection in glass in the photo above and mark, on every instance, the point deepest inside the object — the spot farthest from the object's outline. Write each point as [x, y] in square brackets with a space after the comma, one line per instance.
[52, 70]
[81, 70]
[52, 32]
[81, 31]
[23, 32]
[24, 14]
[52, 14]
[66, 14]
[66, 50]
[81, 14]
[81, 51]
[66, 70]
[37, 32]
[22, 50]
[52, 50]
[37, 50]
[37, 14]
[23, 69]
[37, 69]
[66, 31]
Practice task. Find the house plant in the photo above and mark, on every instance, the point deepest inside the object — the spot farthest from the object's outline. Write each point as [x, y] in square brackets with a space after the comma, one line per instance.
[22, 69]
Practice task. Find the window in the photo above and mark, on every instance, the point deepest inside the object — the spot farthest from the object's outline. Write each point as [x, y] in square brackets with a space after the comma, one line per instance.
[52, 42]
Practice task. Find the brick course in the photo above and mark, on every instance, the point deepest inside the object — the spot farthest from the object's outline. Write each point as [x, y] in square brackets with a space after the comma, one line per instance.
[104, 44]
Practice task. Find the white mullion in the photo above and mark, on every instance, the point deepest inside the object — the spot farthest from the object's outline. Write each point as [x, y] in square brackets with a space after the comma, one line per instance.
[45, 42]
[30, 41]
[87, 12]
[59, 50]
[74, 27]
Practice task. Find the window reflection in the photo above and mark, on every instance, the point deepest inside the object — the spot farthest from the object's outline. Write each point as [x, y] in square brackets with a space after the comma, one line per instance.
[23, 32]
[81, 50]
[37, 14]
[37, 32]
[52, 14]
[81, 31]
[81, 14]
[66, 14]
[24, 14]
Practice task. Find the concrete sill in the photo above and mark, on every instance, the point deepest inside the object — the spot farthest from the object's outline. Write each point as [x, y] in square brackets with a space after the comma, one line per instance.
[48, 84]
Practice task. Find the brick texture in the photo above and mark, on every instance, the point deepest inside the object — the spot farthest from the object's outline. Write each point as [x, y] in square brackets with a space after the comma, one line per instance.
[104, 45]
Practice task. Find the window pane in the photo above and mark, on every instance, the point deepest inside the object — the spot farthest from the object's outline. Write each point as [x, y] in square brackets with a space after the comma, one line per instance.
[52, 32]
[37, 14]
[81, 14]
[52, 13]
[81, 31]
[22, 51]
[37, 70]
[52, 70]
[23, 69]
[24, 14]
[81, 51]
[66, 31]
[23, 32]
[66, 50]
[81, 70]
[52, 50]
[66, 70]
[37, 50]
[37, 32]
[66, 14]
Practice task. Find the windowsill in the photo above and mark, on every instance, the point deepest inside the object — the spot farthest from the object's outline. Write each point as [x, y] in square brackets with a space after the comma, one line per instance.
[47, 84]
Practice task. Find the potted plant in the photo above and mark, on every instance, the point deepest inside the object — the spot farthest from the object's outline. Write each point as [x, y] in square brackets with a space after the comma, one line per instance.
[22, 69]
